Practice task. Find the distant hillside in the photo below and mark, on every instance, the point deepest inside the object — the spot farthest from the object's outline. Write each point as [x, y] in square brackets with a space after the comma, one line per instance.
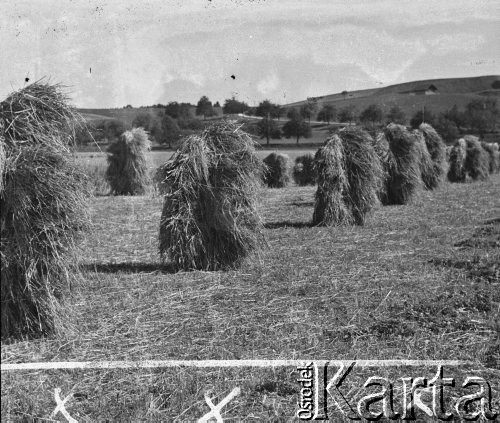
[435, 94]
[127, 114]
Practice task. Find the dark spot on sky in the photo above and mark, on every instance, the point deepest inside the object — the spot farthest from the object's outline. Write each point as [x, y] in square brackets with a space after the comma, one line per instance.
[26, 79]
[90, 70]
[232, 76]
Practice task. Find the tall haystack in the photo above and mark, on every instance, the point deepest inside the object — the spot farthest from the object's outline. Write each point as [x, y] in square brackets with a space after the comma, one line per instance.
[477, 161]
[303, 170]
[330, 207]
[127, 171]
[494, 156]
[209, 218]
[426, 164]
[363, 171]
[277, 173]
[404, 174]
[437, 151]
[386, 158]
[456, 169]
[43, 203]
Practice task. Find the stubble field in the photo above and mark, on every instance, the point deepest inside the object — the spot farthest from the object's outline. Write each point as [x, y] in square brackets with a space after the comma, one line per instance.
[416, 282]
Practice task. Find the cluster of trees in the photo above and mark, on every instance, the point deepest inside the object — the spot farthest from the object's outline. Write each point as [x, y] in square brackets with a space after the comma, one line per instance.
[168, 122]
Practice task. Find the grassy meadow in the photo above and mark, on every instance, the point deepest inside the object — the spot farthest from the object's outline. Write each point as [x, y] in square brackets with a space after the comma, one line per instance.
[419, 281]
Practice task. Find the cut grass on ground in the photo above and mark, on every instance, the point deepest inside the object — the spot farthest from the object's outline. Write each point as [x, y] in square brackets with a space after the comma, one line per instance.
[416, 282]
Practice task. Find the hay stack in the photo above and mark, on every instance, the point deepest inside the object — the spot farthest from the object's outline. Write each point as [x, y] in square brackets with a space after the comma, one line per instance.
[127, 171]
[303, 170]
[477, 160]
[456, 170]
[402, 165]
[494, 156]
[437, 151]
[363, 170]
[277, 174]
[209, 218]
[43, 209]
[330, 207]
[426, 164]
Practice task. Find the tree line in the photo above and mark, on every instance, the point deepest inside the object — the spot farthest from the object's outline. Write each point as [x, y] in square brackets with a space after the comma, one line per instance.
[167, 123]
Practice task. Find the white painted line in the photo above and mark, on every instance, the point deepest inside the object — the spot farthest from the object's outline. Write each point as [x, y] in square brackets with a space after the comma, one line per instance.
[155, 364]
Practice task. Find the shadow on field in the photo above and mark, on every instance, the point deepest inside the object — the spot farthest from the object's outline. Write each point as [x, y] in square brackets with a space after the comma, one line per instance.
[287, 224]
[128, 267]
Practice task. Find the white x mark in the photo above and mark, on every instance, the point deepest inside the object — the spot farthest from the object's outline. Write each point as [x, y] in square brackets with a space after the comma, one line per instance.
[60, 406]
[215, 410]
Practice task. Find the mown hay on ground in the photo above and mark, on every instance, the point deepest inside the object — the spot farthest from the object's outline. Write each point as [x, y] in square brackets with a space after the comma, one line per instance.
[43, 203]
[127, 172]
[277, 173]
[456, 168]
[363, 171]
[330, 207]
[209, 219]
[477, 160]
[303, 170]
[402, 165]
[437, 151]
[494, 156]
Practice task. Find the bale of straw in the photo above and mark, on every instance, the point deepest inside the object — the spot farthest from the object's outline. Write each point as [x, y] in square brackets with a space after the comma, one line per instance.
[437, 151]
[127, 172]
[494, 156]
[43, 210]
[277, 170]
[330, 207]
[404, 175]
[303, 170]
[363, 171]
[456, 169]
[426, 164]
[386, 158]
[40, 114]
[477, 160]
[209, 219]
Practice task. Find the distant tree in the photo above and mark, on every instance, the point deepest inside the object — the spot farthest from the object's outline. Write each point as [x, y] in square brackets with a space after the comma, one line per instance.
[266, 108]
[308, 109]
[113, 128]
[296, 126]
[482, 115]
[327, 113]
[231, 105]
[344, 94]
[142, 120]
[347, 114]
[204, 107]
[178, 110]
[372, 115]
[396, 115]
[217, 104]
[151, 123]
[267, 128]
[456, 116]
[128, 106]
[447, 129]
[170, 131]
[279, 111]
[425, 116]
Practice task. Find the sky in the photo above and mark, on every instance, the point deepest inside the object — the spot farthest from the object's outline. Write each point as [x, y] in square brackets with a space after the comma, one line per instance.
[113, 53]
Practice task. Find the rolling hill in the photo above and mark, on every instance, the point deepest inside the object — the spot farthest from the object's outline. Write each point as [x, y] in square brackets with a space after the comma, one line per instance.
[434, 94]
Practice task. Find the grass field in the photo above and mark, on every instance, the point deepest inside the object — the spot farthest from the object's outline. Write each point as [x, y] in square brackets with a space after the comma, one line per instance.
[417, 282]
